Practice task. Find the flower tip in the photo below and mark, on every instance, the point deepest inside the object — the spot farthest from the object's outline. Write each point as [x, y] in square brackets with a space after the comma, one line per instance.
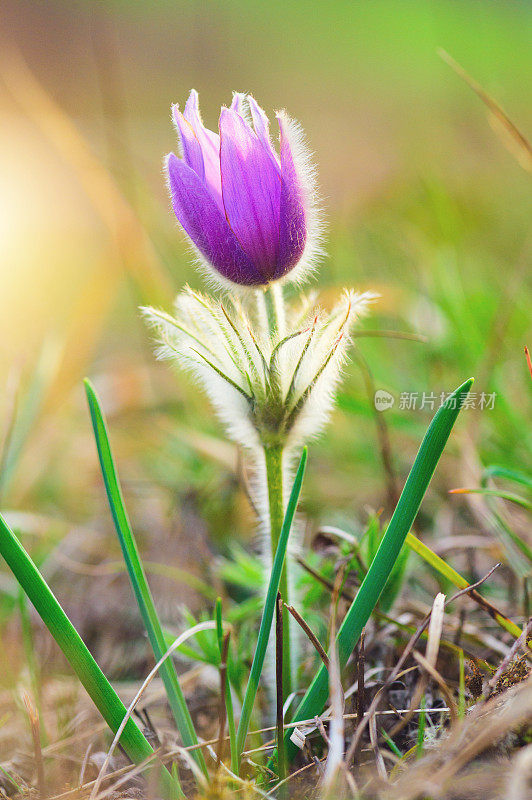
[176, 113]
[237, 103]
[225, 110]
[169, 160]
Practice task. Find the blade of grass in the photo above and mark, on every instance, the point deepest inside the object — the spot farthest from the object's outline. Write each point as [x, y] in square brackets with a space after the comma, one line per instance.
[512, 138]
[402, 520]
[510, 496]
[269, 608]
[508, 474]
[10, 778]
[138, 578]
[76, 652]
[514, 545]
[421, 728]
[391, 744]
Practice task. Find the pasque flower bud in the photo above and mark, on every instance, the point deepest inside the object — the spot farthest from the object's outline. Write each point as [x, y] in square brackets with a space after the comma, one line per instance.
[249, 211]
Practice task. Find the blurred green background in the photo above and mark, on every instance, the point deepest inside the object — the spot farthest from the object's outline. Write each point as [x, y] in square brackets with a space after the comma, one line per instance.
[425, 205]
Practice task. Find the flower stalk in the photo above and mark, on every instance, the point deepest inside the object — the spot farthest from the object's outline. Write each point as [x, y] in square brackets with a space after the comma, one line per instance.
[269, 608]
[274, 475]
[275, 310]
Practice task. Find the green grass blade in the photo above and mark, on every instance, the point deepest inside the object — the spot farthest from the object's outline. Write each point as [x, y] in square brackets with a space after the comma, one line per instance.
[138, 579]
[12, 780]
[421, 728]
[507, 474]
[403, 517]
[76, 652]
[502, 495]
[436, 561]
[391, 744]
[514, 546]
[269, 608]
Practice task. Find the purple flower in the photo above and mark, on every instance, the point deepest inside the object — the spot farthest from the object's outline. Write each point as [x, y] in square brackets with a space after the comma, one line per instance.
[247, 210]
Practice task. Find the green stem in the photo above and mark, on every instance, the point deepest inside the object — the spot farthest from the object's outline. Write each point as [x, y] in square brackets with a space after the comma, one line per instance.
[269, 608]
[274, 473]
[274, 302]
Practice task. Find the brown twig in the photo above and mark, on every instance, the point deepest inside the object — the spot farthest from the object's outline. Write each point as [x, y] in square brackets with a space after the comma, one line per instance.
[322, 579]
[321, 728]
[310, 634]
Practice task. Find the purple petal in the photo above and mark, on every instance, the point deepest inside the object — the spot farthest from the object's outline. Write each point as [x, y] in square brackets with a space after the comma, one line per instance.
[251, 191]
[237, 103]
[293, 227]
[261, 123]
[203, 221]
[210, 148]
[192, 152]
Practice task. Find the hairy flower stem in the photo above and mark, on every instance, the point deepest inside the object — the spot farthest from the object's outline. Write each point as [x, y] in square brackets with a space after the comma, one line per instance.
[275, 310]
[274, 473]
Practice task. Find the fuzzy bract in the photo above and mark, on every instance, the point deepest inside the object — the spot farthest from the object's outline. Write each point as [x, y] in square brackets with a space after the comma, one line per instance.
[267, 390]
